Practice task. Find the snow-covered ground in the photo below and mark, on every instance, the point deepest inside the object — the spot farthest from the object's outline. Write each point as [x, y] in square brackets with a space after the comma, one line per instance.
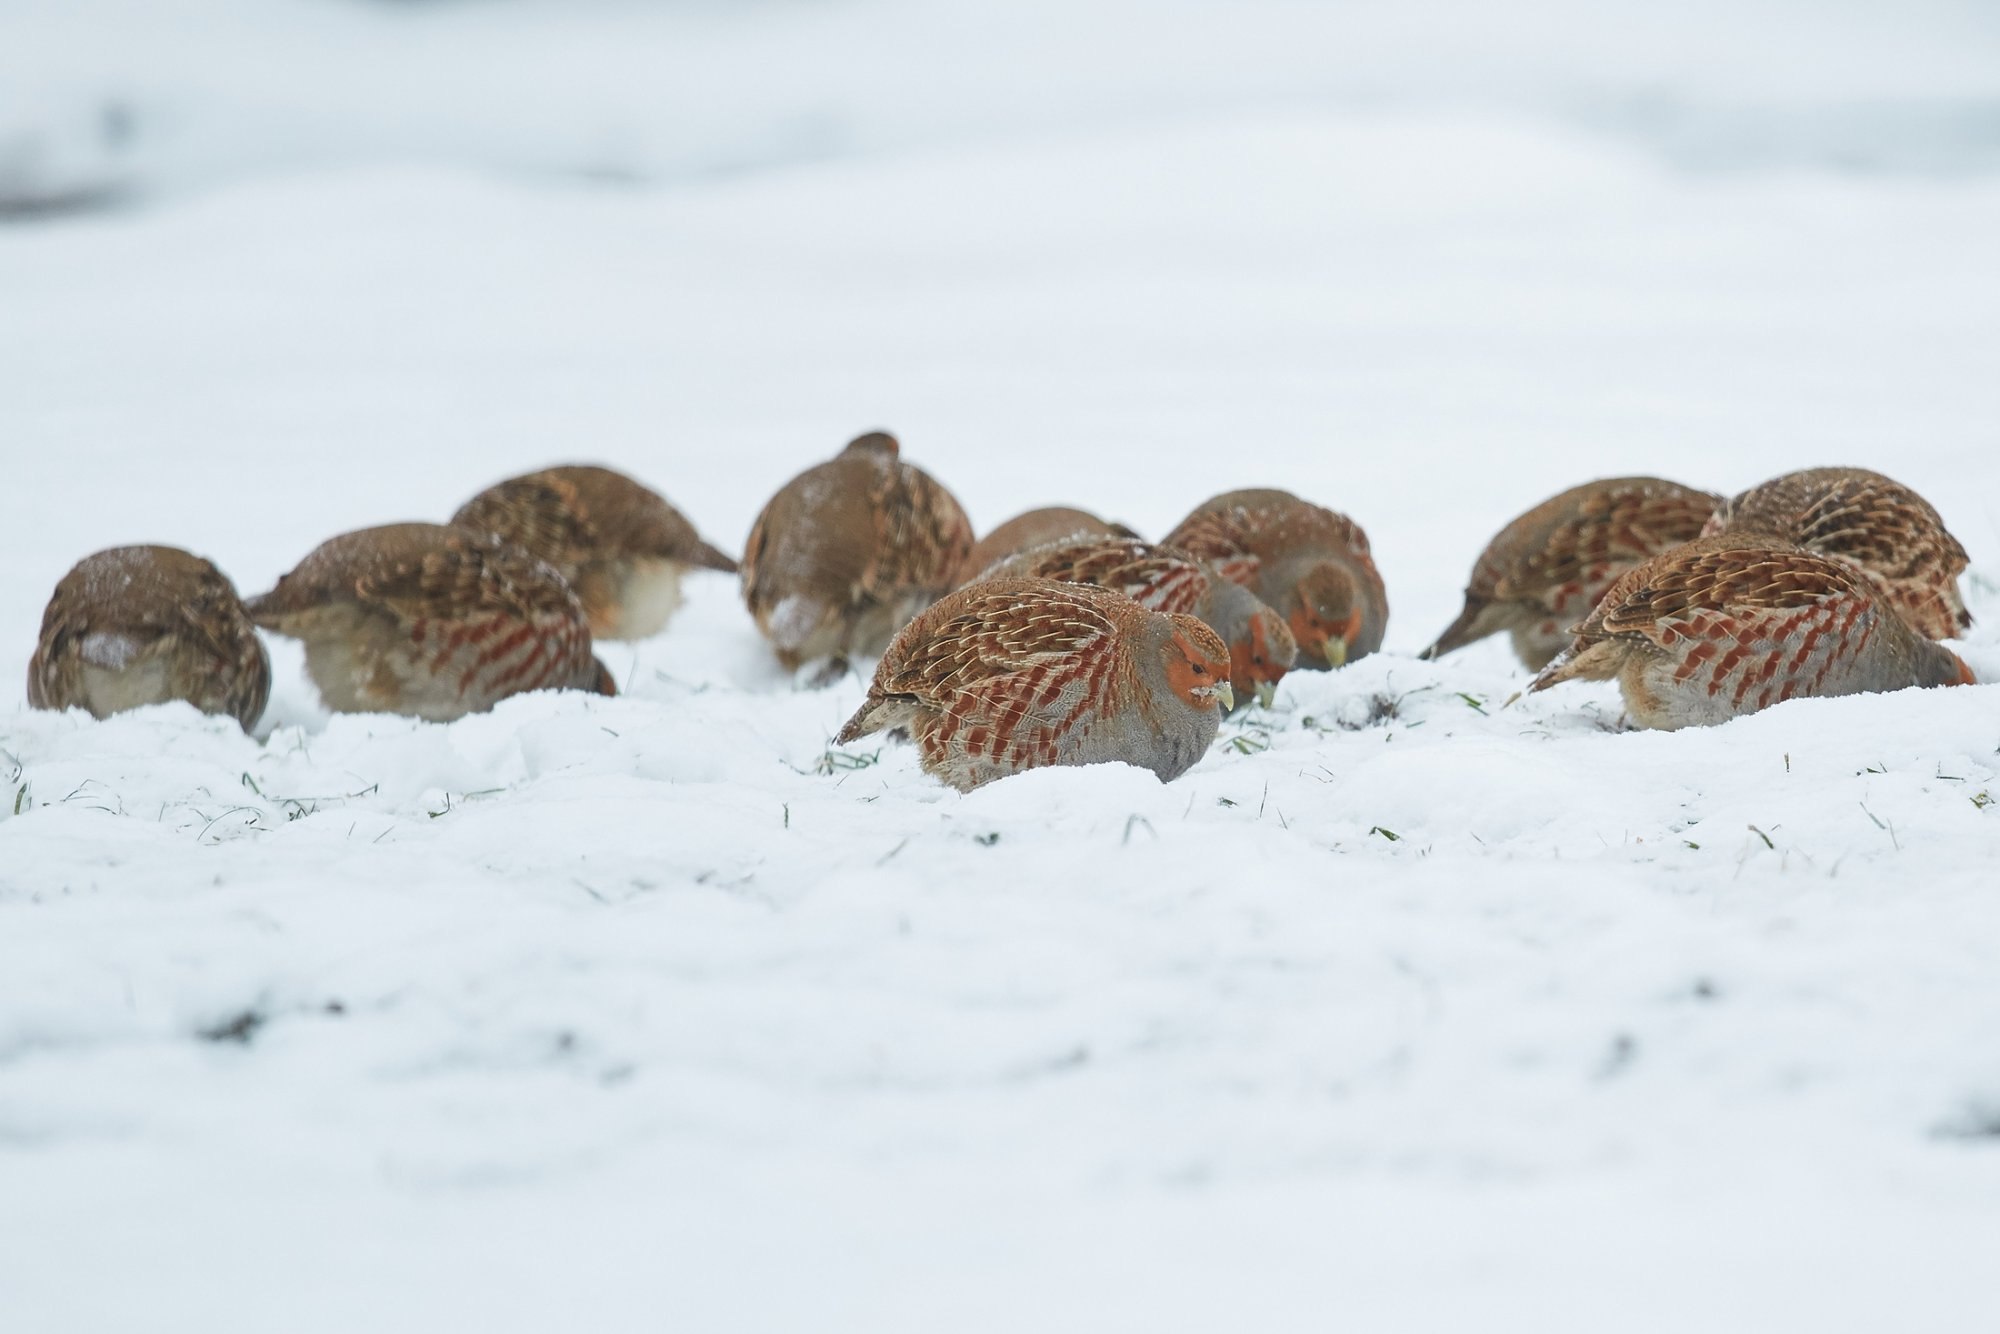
[1404, 1010]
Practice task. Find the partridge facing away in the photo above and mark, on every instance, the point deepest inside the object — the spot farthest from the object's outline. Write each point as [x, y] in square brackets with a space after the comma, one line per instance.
[622, 548]
[1309, 563]
[431, 621]
[1879, 524]
[1260, 644]
[142, 625]
[1036, 528]
[1544, 571]
[1727, 625]
[849, 551]
[1013, 674]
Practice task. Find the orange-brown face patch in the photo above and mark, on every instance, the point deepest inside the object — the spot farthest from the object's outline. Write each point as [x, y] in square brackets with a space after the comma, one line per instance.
[1196, 661]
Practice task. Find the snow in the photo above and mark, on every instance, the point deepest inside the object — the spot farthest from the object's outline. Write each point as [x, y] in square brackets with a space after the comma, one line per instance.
[1408, 1008]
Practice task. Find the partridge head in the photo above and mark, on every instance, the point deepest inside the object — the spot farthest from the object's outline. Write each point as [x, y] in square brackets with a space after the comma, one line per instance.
[143, 625]
[1309, 563]
[619, 544]
[431, 621]
[848, 551]
[1730, 624]
[1013, 674]
[1546, 569]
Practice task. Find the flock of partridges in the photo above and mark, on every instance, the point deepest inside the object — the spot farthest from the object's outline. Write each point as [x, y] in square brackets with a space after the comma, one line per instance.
[1058, 638]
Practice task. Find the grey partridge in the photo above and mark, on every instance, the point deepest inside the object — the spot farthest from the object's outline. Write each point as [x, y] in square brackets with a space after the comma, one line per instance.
[849, 551]
[1879, 524]
[1036, 528]
[1730, 624]
[431, 621]
[621, 546]
[1013, 674]
[1308, 562]
[1260, 644]
[1545, 570]
[143, 625]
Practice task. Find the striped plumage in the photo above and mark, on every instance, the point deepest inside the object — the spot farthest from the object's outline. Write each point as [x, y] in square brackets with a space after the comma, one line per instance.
[1308, 562]
[143, 625]
[622, 547]
[1872, 520]
[849, 551]
[431, 621]
[1035, 528]
[1544, 571]
[1261, 647]
[1729, 624]
[1013, 674]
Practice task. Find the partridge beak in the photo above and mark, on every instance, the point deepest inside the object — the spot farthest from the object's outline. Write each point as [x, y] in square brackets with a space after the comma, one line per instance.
[1226, 694]
[1335, 650]
[1266, 692]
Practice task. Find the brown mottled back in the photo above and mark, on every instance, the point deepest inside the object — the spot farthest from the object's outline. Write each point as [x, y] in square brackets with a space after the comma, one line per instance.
[1549, 566]
[1872, 520]
[1036, 528]
[143, 625]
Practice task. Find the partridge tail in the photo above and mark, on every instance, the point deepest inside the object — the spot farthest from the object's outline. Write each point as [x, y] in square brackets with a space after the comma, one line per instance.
[1465, 630]
[1597, 661]
[707, 556]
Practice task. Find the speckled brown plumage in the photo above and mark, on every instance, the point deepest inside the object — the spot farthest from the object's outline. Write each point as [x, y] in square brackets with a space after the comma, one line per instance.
[1036, 528]
[431, 621]
[143, 625]
[1545, 570]
[1731, 623]
[622, 547]
[1013, 674]
[1308, 562]
[848, 551]
[1261, 648]
[1867, 518]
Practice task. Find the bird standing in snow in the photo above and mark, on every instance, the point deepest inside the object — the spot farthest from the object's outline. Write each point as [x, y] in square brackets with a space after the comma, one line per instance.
[1260, 644]
[1545, 570]
[1035, 528]
[622, 547]
[431, 621]
[849, 551]
[1308, 562]
[1013, 674]
[143, 625]
[1729, 624]
[1879, 524]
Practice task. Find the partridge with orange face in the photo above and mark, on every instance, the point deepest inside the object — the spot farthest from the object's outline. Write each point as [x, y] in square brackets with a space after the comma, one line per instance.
[1261, 648]
[1729, 624]
[622, 548]
[431, 621]
[143, 625]
[849, 551]
[1014, 674]
[1309, 563]
[1037, 528]
[1547, 569]
[1879, 524]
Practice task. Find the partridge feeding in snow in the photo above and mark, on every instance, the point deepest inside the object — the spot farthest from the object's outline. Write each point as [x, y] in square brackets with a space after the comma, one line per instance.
[848, 551]
[1729, 624]
[1260, 644]
[1013, 674]
[431, 621]
[1879, 524]
[1036, 528]
[142, 625]
[1309, 563]
[1544, 571]
[622, 548]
